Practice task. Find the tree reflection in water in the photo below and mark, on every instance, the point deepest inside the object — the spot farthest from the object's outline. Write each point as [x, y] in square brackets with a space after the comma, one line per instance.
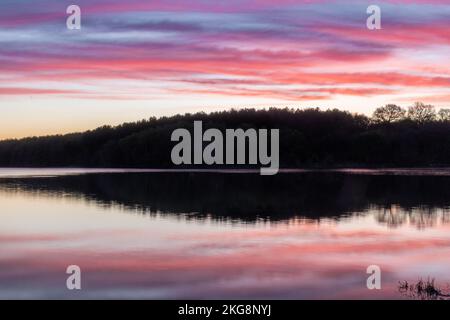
[421, 217]
[393, 200]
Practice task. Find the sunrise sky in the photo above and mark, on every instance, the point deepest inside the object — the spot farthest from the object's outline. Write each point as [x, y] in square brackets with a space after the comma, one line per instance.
[139, 58]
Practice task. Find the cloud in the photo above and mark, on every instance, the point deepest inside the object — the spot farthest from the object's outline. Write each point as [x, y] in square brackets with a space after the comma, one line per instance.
[257, 49]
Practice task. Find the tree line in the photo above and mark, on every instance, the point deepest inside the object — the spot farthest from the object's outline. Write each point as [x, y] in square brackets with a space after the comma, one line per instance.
[419, 112]
[393, 136]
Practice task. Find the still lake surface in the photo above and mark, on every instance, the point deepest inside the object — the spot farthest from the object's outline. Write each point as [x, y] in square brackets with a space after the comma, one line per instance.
[206, 235]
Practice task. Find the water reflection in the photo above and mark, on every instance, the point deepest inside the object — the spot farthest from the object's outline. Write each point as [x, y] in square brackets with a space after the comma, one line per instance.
[214, 235]
[422, 217]
[423, 201]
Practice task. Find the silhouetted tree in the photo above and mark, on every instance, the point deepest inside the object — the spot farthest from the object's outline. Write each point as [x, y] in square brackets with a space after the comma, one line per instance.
[444, 114]
[421, 112]
[389, 113]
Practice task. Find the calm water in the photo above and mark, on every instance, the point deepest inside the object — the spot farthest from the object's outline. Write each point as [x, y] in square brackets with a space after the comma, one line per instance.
[213, 235]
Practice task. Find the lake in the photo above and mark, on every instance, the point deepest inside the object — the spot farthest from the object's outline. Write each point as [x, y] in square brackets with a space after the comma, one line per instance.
[152, 234]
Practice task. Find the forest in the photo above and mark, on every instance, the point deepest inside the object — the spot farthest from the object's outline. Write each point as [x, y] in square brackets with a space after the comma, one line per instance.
[309, 138]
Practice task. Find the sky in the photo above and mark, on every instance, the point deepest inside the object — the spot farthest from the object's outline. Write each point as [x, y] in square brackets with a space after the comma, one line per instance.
[140, 58]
